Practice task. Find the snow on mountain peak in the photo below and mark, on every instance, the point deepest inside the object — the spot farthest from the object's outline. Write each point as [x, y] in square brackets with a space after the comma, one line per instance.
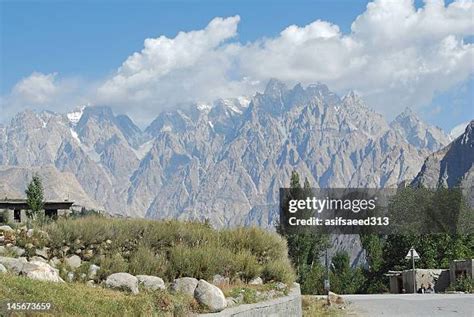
[76, 115]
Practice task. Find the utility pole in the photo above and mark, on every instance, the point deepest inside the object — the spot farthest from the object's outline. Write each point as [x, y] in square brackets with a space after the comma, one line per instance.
[414, 256]
[414, 272]
[326, 281]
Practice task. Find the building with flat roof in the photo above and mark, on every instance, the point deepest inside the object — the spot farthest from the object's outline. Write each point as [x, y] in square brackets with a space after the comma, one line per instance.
[14, 210]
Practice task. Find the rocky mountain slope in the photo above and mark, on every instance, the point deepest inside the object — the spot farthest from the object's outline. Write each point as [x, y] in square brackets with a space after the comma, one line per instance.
[223, 161]
[452, 166]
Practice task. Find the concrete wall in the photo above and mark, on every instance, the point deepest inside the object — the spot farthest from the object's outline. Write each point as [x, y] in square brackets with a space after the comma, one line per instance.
[437, 277]
[287, 306]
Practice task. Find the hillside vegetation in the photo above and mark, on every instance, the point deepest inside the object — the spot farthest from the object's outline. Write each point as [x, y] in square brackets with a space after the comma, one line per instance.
[171, 249]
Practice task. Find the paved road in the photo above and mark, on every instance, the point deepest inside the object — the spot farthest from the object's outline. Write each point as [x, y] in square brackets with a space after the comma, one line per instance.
[408, 305]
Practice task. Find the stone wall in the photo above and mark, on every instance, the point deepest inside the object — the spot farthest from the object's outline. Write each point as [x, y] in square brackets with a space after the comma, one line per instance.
[287, 306]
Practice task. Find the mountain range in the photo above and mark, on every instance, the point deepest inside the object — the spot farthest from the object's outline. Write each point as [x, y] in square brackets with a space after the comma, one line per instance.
[223, 161]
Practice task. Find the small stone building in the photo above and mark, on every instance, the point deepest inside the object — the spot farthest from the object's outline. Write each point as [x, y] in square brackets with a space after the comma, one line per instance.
[15, 210]
[402, 281]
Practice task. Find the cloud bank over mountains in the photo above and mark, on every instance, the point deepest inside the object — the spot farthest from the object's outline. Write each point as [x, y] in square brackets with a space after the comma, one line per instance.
[395, 56]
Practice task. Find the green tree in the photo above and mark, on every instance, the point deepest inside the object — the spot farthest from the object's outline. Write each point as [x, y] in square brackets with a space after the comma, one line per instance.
[344, 279]
[304, 248]
[34, 196]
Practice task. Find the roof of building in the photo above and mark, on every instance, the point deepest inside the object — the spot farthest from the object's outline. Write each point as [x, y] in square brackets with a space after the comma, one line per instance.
[22, 204]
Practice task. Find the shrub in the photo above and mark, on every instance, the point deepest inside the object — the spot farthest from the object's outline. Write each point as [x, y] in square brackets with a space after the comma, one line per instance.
[279, 270]
[463, 284]
[246, 266]
[199, 262]
[171, 249]
[112, 264]
[145, 261]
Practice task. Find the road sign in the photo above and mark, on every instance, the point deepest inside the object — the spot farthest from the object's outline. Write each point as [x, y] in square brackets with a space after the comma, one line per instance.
[414, 254]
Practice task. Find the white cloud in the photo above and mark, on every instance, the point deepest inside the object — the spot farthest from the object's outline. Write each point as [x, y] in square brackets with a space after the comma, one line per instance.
[37, 88]
[41, 91]
[395, 55]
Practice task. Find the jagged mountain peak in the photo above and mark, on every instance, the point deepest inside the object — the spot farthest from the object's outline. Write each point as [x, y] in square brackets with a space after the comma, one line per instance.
[419, 133]
[275, 87]
[468, 136]
[101, 113]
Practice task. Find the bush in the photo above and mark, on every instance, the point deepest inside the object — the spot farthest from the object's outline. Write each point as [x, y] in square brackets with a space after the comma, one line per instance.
[463, 284]
[112, 264]
[279, 271]
[172, 249]
[145, 261]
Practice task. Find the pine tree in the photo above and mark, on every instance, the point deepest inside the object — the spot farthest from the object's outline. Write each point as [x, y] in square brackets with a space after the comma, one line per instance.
[34, 196]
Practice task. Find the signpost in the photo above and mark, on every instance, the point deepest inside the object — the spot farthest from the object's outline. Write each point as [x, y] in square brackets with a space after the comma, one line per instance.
[413, 255]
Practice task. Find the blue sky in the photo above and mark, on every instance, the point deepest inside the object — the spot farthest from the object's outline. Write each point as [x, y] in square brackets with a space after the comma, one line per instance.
[92, 38]
[86, 41]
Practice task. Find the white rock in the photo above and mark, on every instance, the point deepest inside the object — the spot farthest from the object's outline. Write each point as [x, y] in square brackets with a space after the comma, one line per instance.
[210, 296]
[219, 280]
[41, 271]
[3, 269]
[6, 228]
[18, 251]
[122, 281]
[151, 282]
[54, 262]
[70, 277]
[38, 258]
[93, 269]
[12, 264]
[185, 285]
[43, 252]
[90, 283]
[256, 281]
[73, 261]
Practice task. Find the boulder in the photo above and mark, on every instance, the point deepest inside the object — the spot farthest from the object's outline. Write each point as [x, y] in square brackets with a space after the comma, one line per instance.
[6, 228]
[122, 281]
[220, 280]
[333, 298]
[185, 285]
[12, 264]
[93, 269]
[54, 262]
[18, 251]
[152, 283]
[256, 281]
[73, 261]
[88, 254]
[43, 252]
[38, 258]
[2, 250]
[3, 269]
[210, 296]
[70, 277]
[41, 271]
[90, 283]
